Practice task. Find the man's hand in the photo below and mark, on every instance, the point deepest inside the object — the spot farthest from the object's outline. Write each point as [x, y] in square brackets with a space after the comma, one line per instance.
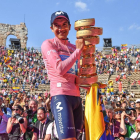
[80, 43]
[13, 120]
[123, 114]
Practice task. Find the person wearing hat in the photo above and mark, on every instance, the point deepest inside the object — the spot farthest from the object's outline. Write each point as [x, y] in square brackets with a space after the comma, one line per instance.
[127, 125]
[16, 126]
[136, 134]
[60, 58]
[138, 103]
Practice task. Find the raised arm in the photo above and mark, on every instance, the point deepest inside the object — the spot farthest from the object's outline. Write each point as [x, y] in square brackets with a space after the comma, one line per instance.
[50, 54]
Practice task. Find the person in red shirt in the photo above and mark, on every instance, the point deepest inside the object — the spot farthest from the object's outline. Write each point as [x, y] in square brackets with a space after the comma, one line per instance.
[124, 76]
[139, 82]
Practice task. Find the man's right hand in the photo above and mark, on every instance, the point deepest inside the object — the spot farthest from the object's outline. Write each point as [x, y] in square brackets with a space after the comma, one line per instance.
[123, 114]
[80, 43]
[13, 120]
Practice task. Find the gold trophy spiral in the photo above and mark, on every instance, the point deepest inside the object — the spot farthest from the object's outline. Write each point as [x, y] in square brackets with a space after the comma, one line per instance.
[86, 65]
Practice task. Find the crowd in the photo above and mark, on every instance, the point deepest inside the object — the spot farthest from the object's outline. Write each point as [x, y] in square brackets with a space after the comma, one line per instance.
[118, 61]
[20, 69]
[28, 116]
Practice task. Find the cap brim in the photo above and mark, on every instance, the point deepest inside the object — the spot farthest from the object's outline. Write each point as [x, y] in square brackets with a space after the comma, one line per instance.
[138, 119]
[118, 109]
[60, 17]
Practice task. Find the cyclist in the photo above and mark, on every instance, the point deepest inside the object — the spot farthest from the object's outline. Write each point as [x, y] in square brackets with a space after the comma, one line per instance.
[60, 58]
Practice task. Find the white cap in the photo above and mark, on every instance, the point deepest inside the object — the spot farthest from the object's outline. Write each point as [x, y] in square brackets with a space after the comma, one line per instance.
[138, 100]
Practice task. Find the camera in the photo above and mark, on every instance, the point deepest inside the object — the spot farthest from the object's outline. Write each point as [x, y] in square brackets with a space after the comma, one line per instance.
[19, 118]
[128, 112]
[29, 112]
[30, 127]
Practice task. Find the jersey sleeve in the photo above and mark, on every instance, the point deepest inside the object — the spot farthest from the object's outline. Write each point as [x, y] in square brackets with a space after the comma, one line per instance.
[50, 54]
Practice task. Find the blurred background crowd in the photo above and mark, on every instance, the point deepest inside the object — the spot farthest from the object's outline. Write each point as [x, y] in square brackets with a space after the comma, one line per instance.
[25, 100]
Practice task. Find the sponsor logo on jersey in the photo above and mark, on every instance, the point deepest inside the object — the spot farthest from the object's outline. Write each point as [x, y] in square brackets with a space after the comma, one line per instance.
[49, 52]
[58, 107]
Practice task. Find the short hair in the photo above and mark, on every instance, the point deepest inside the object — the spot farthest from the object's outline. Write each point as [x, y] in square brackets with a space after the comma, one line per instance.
[43, 109]
[109, 107]
[34, 101]
[132, 102]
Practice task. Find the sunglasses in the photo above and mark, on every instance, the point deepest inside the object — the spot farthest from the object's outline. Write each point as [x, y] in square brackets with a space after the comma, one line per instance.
[118, 112]
[16, 109]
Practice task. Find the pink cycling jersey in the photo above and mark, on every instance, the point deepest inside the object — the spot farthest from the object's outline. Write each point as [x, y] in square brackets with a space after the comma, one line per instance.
[60, 58]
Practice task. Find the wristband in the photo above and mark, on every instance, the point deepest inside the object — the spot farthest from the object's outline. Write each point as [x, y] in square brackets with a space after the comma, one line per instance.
[84, 22]
[89, 32]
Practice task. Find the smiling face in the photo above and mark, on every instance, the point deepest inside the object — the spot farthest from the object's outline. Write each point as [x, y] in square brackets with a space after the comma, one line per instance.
[33, 106]
[61, 28]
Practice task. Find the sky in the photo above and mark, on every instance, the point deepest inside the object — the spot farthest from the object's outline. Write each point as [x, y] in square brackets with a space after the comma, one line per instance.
[120, 19]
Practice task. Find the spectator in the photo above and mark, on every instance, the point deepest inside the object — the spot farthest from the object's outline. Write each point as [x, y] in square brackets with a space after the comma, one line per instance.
[127, 126]
[113, 124]
[5, 114]
[136, 134]
[32, 118]
[132, 94]
[132, 104]
[138, 103]
[16, 126]
[51, 132]
[41, 125]
[124, 104]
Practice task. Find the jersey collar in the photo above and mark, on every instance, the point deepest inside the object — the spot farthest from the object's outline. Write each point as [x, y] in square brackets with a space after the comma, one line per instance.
[61, 41]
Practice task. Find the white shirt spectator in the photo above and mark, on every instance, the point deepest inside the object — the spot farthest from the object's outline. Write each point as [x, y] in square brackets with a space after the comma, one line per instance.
[132, 94]
[49, 130]
[135, 135]
[125, 69]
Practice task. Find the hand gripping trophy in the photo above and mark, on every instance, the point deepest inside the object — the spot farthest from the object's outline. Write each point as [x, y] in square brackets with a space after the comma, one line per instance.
[87, 77]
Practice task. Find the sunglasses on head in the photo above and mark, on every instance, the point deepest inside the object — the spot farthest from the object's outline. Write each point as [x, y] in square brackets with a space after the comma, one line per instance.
[118, 112]
[16, 109]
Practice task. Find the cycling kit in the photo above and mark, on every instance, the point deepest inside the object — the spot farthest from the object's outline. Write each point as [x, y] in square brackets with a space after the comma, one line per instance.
[68, 115]
[60, 58]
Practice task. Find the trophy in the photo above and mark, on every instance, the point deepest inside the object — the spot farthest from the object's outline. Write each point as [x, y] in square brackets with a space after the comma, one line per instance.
[86, 65]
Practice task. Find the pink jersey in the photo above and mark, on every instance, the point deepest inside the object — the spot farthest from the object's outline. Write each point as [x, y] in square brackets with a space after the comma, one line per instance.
[60, 58]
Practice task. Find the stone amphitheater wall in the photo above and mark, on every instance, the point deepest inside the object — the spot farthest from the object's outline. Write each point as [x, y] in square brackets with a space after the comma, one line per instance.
[20, 31]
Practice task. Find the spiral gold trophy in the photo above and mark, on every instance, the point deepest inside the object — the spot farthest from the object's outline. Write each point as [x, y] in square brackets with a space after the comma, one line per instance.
[86, 66]
[87, 77]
